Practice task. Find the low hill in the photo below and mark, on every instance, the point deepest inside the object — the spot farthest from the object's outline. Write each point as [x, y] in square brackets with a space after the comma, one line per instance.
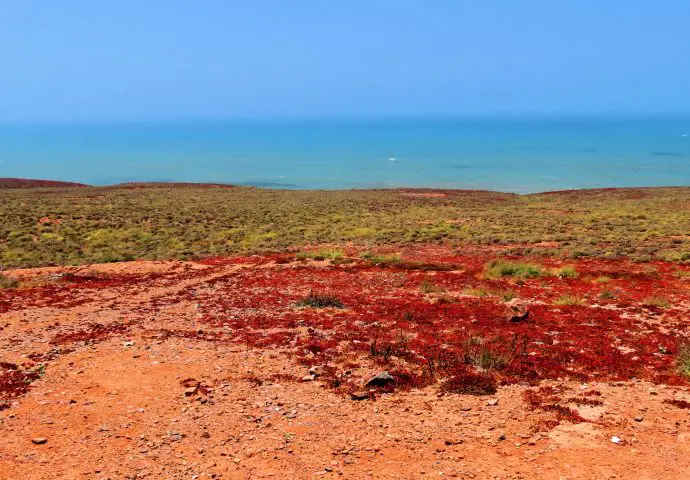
[31, 183]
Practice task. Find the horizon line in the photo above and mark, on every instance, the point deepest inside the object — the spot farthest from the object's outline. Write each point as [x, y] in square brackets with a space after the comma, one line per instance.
[601, 116]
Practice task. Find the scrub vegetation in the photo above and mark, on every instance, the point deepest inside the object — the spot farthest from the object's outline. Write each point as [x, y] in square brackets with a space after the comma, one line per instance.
[105, 224]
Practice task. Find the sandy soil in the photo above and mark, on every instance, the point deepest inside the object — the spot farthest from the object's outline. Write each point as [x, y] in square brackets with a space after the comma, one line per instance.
[145, 403]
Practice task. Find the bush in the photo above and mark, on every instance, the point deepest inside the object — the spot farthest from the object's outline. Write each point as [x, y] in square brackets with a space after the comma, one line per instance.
[427, 286]
[498, 354]
[6, 282]
[321, 255]
[501, 268]
[321, 301]
[568, 300]
[683, 359]
[656, 301]
[607, 295]
[566, 272]
[381, 260]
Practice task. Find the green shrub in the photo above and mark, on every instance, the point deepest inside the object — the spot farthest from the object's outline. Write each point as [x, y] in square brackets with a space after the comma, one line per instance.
[477, 292]
[682, 274]
[321, 301]
[502, 268]
[568, 271]
[505, 295]
[656, 301]
[568, 300]
[381, 260]
[607, 295]
[6, 282]
[492, 355]
[427, 286]
[683, 359]
[321, 255]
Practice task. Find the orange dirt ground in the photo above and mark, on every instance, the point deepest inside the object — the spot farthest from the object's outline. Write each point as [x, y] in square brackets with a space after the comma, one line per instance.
[177, 394]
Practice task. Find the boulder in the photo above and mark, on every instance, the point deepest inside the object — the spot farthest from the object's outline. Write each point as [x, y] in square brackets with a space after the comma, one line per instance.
[381, 379]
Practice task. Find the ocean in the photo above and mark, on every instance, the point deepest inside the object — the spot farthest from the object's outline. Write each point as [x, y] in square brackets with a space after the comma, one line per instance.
[522, 156]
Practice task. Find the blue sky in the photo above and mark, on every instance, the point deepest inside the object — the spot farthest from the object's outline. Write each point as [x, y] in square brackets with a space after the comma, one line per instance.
[174, 59]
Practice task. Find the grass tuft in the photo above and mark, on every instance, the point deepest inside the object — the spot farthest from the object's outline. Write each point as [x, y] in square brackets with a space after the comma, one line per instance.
[321, 301]
[6, 282]
[502, 268]
[656, 301]
[427, 286]
[497, 355]
[607, 295]
[381, 260]
[568, 271]
[683, 359]
[320, 255]
[568, 299]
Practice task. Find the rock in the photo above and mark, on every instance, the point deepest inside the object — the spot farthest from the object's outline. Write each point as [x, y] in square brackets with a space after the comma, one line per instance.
[516, 311]
[188, 392]
[39, 441]
[453, 441]
[308, 378]
[616, 440]
[316, 371]
[381, 380]
[492, 402]
[639, 418]
[502, 437]
[359, 395]
[128, 343]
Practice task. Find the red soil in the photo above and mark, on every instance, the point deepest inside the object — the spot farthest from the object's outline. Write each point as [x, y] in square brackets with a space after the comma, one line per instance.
[214, 353]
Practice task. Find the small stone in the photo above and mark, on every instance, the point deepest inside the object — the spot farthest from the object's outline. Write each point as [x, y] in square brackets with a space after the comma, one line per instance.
[616, 440]
[453, 441]
[188, 392]
[316, 371]
[308, 378]
[39, 441]
[492, 402]
[516, 311]
[639, 418]
[502, 437]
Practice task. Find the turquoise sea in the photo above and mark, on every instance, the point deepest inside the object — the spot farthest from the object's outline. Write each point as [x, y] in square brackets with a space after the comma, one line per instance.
[507, 155]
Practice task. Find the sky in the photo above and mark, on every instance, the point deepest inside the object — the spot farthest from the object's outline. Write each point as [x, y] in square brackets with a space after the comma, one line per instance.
[86, 60]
